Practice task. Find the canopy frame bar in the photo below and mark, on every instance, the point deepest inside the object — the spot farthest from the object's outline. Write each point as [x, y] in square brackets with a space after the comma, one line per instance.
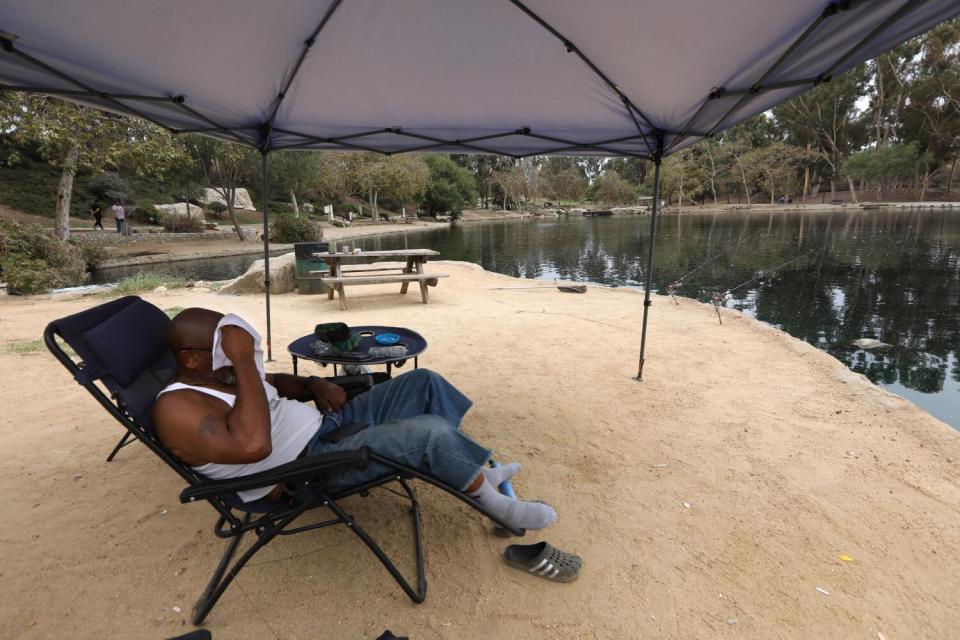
[7, 45]
[632, 109]
[307, 44]
[716, 93]
[880, 28]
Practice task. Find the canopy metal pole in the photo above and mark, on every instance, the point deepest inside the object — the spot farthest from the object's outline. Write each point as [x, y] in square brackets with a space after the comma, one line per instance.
[266, 253]
[653, 236]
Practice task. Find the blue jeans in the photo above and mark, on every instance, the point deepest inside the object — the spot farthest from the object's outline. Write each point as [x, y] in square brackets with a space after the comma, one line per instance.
[119, 225]
[413, 419]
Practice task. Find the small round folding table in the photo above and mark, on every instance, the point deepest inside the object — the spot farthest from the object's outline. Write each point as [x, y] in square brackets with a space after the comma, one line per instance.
[302, 348]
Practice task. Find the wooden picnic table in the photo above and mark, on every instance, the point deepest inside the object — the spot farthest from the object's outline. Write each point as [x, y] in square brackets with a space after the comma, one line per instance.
[412, 271]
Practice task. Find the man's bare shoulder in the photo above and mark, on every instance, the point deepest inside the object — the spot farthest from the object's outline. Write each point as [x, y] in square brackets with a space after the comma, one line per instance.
[183, 405]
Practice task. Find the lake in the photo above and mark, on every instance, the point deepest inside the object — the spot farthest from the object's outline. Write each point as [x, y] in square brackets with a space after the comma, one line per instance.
[826, 278]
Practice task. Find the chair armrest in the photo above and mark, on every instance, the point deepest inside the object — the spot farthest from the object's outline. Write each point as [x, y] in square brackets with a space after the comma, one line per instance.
[297, 471]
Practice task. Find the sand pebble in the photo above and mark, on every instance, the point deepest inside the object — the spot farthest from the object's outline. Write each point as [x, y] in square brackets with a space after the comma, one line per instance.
[686, 505]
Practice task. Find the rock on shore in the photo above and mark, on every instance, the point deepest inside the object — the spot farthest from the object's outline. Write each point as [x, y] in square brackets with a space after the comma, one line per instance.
[283, 277]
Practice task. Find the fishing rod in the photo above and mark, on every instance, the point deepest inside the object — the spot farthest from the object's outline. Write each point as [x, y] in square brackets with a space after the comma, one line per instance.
[720, 299]
[672, 287]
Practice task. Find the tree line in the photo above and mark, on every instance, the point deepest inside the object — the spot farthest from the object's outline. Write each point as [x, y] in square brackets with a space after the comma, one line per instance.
[888, 128]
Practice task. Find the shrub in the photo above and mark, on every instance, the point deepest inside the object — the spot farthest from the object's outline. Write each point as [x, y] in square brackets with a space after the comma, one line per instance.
[287, 228]
[217, 207]
[144, 211]
[175, 223]
[31, 261]
[450, 187]
[92, 253]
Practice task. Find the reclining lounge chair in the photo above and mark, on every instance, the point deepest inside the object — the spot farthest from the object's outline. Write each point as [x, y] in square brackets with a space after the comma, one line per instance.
[123, 361]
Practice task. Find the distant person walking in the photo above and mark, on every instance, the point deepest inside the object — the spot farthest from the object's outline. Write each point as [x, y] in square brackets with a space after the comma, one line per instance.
[97, 214]
[119, 215]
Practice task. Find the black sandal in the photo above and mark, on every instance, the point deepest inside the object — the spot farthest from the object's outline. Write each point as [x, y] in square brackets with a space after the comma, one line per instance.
[544, 560]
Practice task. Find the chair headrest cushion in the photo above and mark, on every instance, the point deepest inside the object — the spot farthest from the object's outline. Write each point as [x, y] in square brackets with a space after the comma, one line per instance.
[130, 341]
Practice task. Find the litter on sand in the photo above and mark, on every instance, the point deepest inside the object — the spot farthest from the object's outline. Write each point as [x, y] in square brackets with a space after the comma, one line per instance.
[845, 557]
[686, 505]
[823, 591]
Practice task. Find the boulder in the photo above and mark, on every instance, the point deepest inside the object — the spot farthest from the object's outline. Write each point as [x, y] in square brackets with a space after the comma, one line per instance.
[628, 210]
[306, 206]
[577, 212]
[240, 201]
[283, 277]
[180, 209]
[340, 222]
[869, 344]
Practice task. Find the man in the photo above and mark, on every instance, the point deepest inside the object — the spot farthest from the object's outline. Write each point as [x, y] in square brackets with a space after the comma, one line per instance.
[233, 422]
[97, 214]
[119, 215]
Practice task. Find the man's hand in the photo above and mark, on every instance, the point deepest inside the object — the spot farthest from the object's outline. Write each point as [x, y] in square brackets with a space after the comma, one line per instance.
[237, 344]
[328, 396]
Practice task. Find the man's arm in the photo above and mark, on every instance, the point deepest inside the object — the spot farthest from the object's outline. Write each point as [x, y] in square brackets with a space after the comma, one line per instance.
[200, 429]
[328, 396]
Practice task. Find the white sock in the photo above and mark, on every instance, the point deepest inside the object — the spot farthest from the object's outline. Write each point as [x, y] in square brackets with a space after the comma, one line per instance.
[516, 513]
[500, 474]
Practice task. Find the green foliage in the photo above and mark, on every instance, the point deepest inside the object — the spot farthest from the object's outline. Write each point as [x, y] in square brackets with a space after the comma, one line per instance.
[173, 311]
[31, 261]
[287, 228]
[175, 223]
[449, 187]
[108, 187]
[883, 163]
[144, 211]
[217, 207]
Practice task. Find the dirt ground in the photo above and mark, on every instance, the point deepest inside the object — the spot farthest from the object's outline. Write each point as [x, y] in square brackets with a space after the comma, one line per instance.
[750, 487]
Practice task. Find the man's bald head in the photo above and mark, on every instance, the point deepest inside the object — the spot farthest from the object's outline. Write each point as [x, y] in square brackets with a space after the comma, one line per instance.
[192, 329]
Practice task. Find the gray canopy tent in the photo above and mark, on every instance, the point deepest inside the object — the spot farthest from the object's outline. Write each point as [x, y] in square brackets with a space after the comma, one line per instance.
[634, 78]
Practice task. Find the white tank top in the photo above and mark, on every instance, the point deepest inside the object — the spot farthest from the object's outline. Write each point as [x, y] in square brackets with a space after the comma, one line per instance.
[292, 425]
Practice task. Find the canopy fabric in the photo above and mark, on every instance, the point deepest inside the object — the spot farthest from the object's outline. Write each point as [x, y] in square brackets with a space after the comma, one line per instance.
[609, 77]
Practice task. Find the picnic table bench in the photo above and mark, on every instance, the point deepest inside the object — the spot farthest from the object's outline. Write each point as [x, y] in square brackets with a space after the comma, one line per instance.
[412, 271]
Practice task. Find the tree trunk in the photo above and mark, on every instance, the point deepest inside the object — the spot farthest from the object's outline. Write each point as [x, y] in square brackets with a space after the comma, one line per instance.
[61, 222]
[953, 172]
[853, 190]
[833, 190]
[296, 208]
[806, 182]
[230, 197]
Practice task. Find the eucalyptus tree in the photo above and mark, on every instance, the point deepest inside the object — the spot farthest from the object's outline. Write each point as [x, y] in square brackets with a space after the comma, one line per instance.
[225, 167]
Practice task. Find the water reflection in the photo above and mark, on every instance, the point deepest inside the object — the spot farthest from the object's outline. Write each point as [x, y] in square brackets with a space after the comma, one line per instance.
[884, 274]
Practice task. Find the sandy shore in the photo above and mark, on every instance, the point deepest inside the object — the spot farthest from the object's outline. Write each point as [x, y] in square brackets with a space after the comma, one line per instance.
[710, 501]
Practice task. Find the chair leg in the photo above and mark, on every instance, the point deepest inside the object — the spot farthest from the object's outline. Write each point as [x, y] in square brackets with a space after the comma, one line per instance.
[120, 445]
[219, 582]
[419, 594]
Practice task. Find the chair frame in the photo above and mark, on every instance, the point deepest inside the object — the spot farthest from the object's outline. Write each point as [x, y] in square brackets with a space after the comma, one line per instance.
[305, 479]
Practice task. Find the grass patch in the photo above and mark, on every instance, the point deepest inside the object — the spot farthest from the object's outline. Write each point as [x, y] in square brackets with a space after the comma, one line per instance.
[172, 311]
[143, 283]
[25, 347]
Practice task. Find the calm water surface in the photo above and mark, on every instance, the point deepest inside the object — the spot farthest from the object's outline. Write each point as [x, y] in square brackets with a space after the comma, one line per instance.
[889, 275]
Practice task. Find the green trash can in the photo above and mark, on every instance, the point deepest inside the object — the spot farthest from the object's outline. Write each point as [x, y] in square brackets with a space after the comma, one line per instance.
[309, 269]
